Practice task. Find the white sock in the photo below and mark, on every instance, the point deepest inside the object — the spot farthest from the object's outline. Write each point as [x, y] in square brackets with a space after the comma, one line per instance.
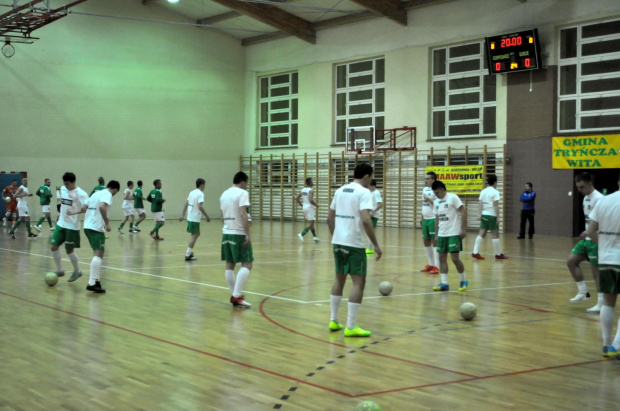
[600, 300]
[496, 246]
[479, 241]
[436, 254]
[607, 323]
[188, 252]
[616, 342]
[230, 280]
[334, 304]
[430, 255]
[463, 276]
[352, 315]
[57, 260]
[582, 287]
[74, 260]
[242, 277]
[444, 278]
[95, 270]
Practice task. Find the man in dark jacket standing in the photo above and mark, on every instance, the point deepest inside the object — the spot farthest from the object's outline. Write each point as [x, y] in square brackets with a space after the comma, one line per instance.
[527, 213]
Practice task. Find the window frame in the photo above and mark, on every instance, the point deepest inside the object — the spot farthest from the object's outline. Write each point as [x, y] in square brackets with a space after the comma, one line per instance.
[293, 105]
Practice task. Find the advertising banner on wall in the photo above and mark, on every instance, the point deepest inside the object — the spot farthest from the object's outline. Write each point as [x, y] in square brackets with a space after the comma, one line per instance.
[460, 179]
[586, 152]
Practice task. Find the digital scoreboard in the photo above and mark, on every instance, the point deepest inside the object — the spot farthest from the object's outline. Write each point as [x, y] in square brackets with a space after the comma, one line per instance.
[513, 52]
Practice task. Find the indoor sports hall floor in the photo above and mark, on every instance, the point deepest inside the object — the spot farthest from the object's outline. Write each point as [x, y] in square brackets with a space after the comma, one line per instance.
[165, 336]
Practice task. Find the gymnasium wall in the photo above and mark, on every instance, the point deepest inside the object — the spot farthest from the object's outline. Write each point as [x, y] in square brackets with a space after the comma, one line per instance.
[125, 100]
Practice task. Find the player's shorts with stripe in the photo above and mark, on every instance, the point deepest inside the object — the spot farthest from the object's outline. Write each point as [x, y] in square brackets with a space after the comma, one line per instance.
[609, 277]
[350, 260]
[23, 211]
[128, 211]
[95, 238]
[587, 248]
[194, 228]
[71, 238]
[452, 244]
[45, 208]
[139, 211]
[159, 216]
[310, 213]
[428, 229]
[489, 222]
[233, 250]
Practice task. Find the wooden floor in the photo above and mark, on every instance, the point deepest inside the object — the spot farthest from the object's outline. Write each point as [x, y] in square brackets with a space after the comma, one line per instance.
[165, 336]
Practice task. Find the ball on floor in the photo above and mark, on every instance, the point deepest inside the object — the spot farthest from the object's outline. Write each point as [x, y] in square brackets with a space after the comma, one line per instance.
[368, 406]
[468, 311]
[51, 279]
[385, 288]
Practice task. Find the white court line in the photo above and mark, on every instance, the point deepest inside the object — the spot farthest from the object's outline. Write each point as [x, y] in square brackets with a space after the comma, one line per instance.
[167, 278]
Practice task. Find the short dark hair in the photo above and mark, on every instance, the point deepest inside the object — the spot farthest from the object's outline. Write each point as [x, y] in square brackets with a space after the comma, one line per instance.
[139, 183]
[156, 181]
[432, 174]
[68, 176]
[308, 180]
[362, 170]
[200, 182]
[113, 184]
[530, 184]
[101, 180]
[373, 182]
[46, 179]
[129, 183]
[585, 177]
[438, 184]
[491, 179]
[240, 177]
[13, 180]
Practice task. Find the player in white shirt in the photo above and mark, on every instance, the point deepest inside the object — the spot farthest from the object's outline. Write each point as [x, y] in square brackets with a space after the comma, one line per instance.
[586, 249]
[375, 214]
[604, 229]
[349, 223]
[236, 243]
[128, 210]
[305, 199]
[428, 225]
[489, 219]
[22, 195]
[194, 203]
[451, 227]
[67, 229]
[96, 223]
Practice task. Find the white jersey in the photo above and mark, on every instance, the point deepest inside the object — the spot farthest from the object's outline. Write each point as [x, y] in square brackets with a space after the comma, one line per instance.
[589, 202]
[194, 200]
[94, 219]
[305, 197]
[449, 217]
[376, 199]
[22, 202]
[127, 203]
[348, 201]
[487, 197]
[427, 208]
[230, 202]
[607, 215]
[71, 201]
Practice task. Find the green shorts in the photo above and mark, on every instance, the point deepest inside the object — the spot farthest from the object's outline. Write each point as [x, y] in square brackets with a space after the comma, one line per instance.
[350, 260]
[587, 248]
[233, 250]
[428, 229]
[374, 221]
[95, 238]
[609, 277]
[452, 244]
[489, 222]
[71, 238]
[193, 228]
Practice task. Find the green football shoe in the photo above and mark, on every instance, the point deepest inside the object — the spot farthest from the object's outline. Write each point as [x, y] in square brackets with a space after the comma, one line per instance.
[335, 326]
[356, 332]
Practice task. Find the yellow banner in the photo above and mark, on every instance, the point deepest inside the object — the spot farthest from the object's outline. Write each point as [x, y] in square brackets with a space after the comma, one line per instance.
[586, 152]
[460, 179]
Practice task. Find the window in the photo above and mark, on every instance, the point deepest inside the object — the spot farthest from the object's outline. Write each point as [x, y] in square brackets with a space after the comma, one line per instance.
[463, 93]
[275, 173]
[342, 173]
[278, 106]
[589, 77]
[359, 96]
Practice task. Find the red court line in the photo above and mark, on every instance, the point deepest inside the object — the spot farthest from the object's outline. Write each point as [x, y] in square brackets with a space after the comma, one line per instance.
[277, 374]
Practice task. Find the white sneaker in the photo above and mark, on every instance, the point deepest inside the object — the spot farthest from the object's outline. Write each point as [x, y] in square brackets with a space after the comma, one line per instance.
[301, 237]
[36, 227]
[316, 239]
[595, 309]
[120, 230]
[580, 297]
[52, 228]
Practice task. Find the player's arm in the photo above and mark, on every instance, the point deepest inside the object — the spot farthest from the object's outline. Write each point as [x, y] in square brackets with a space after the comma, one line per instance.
[480, 206]
[297, 199]
[591, 232]
[128, 196]
[82, 210]
[202, 210]
[370, 232]
[183, 212]
[379, 206]
[160, 198]
[243, 210]
[331, 220]
[496, 208]
[436, 225]
[311, 198]
[103, 209]
[461, 210]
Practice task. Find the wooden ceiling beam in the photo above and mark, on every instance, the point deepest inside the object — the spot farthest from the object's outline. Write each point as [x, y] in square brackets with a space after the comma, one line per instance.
[274, 17]
[391, 9]
[219, 17]
[412, 4]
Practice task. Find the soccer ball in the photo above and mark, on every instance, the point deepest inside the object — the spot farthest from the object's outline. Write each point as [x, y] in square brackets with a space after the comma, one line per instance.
[51, 279]
[385, 288]
[368, 406]
[468, 311]
[7, 199]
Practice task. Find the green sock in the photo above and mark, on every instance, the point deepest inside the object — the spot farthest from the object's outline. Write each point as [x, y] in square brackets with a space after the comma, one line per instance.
[28, 227]
[303, 233]
[131, 226]
[136, 224]
[40, 221]
[313, 233]
[15, 226]
[49, 220]
[122, 224]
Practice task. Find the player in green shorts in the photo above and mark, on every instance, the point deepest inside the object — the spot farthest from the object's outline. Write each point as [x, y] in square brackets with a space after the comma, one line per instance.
[489, 219]
[349, 223]
[236, 243]
[194, 203]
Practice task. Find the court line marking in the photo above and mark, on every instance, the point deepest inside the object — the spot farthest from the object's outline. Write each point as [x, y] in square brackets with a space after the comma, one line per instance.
[186, 347]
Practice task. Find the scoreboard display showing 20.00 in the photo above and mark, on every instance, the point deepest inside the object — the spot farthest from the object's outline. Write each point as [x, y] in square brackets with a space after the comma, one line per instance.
[513, 52]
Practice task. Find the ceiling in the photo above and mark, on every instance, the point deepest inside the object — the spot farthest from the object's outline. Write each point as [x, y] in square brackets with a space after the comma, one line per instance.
[257, 21]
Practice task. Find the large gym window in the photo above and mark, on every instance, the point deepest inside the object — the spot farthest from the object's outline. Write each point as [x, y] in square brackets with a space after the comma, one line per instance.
[463, 93]
[589, 77]
[278, 113]
[359, 97]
